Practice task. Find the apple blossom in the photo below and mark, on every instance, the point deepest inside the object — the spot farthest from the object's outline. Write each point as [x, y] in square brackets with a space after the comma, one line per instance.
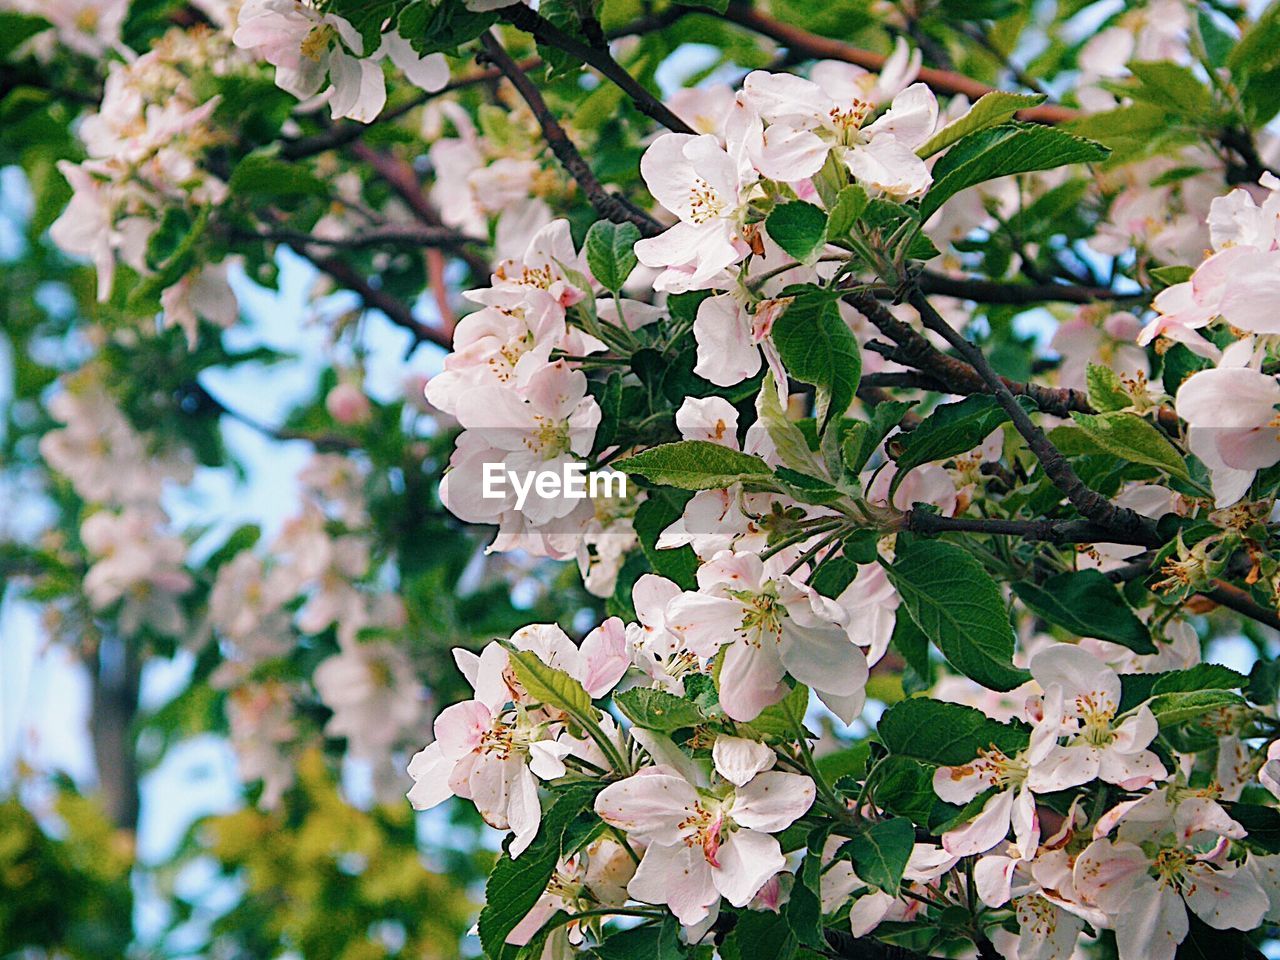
[704, 843]
[773, 626]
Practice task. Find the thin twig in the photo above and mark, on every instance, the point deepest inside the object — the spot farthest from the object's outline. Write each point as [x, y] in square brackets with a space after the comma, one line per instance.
[608, 205]
[599, 58]
[823, 48]
[1090, 503]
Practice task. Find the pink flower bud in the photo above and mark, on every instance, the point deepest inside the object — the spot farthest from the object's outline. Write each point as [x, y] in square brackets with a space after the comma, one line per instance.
[347, 404]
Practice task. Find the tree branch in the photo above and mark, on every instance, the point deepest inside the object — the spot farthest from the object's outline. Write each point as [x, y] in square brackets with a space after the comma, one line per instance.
[815, 47]
[395, 309]
[608, 205]
[845, 945]
[391, 234]
[599, 58]
[400, 176]
[1044, 530]
[1088, 501]
[1234, 598]
[995, 291]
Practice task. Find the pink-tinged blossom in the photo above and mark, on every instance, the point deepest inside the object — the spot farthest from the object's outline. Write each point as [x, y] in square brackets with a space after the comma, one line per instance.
[925, 865]
[306, 46]
[871, 604]
[656, 651]
[1082, 703]
[375, 697]
[593, 877]
[135, 562]
[730, 340]
[806, 122]
[773, 626]
[1083, 340]
[1011, 806]
[1233, 425]
[203, 294]
[704, 843]
[488, 750]
[546, 430]
[1167, 859]
[707, 187]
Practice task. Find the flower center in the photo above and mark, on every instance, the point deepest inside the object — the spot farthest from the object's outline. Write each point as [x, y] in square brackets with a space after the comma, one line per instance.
[317, 42]
[761, 617]
[705, 827]
[849, 118]
[549, 439]
[704, 202]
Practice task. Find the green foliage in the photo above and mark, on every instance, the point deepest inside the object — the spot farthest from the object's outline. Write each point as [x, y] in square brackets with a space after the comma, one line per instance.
[696, 465]
[609, 254]
[958, 606]
[514, 886]
[1089, 605]
[1130, 437]
[946, 734]
[818, 348]
[952, 429]
[989, 110]
[1003, 150]
[799, 228]
[880, 852]
[658, 710]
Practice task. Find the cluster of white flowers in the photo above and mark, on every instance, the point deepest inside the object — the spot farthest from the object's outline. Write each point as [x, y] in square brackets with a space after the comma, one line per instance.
[308, 46]
[323, 554]
[136, 561]
[146, 146]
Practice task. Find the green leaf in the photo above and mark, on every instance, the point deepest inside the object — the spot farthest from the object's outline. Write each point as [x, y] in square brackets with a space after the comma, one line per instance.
[862, 438]
[912, 645]
[1106, 392]
[659, 510]
[655, 942]
[434, 27]
[947, 734]
[1089, 605]
[697, 465]
[1130, 437]
[16, 29]
[904, 786]
[549, 685]
[850, 204]
[990, 109]
[952, 429]
[1203, 942]
[779, 721]
[804, 910]
[262, 173]
[1171, 86]
[789, 439]
[658, 710]
[1137, 687]
[880, 853]
[959, 607]
[1000, 151]
[609, 252]
[799, 228]
[514, 886]
[759, 935]
[1168, 276]
[817, 347]
[1171, 709]
[1255, 65]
